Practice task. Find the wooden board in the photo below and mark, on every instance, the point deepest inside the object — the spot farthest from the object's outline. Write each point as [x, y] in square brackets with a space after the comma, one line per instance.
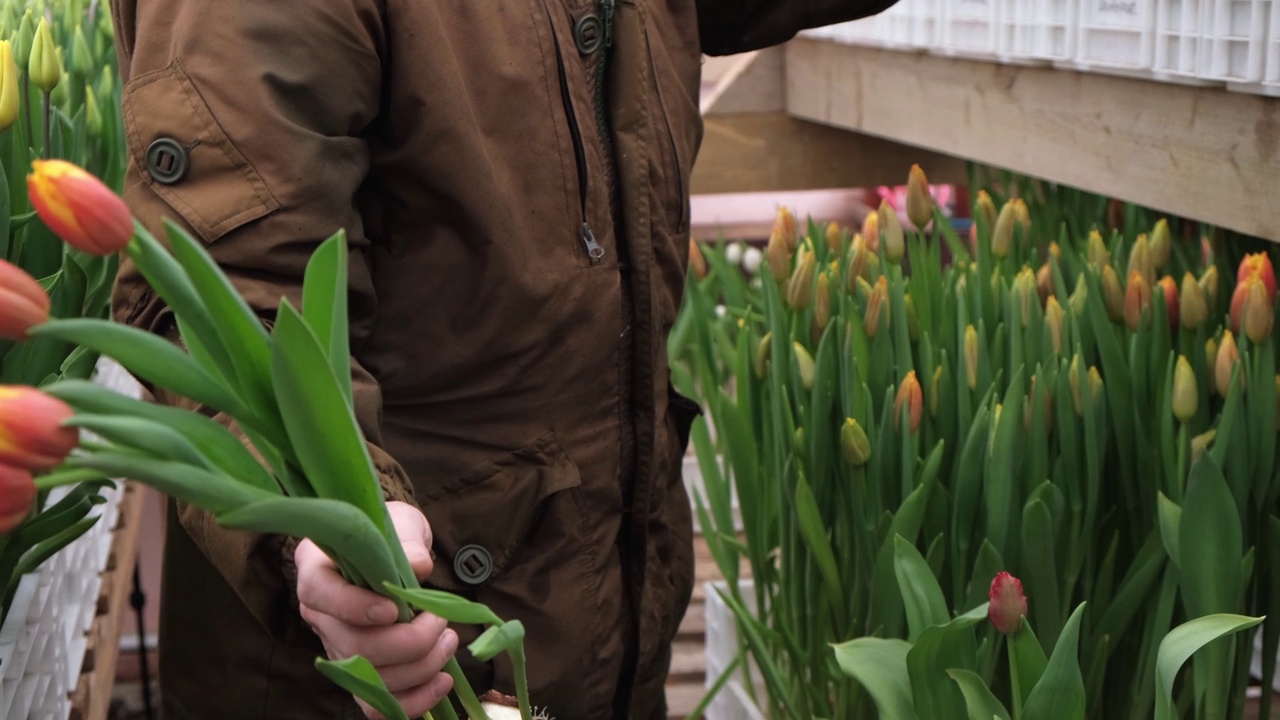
[1202, 153]
[92, 697]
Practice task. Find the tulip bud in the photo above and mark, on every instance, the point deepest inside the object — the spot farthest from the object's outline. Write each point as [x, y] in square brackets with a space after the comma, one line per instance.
[1206, 251]
[17, 496]
[798, 443]
[910, 397]
[1209, 284]
[1023, 216]
[1185, 394]
[785, 225]
[895, 243]
[1024, 291]
[1140, 261]
[106, 84]
[913, 322]
[31, 433]
[1200, 443]
[834, 238]
[1161, 244]
[1080, 296]
[1224, 365]
[1259, 265]
[995, 424]
[919, 201]
[79, 208]
[92, 115]
[1002, 236]
[863, 289]
[1210, 352]
[1170, 289]
[44, 68]
[1055, 252]
[697, 263]
[986, 207]
[1044, 283]
[862, 261]
[1137, 298]
[871, 232]
[24, 39]
[1095, 384]
[1053, 317]
[1099, 255]
[800, 286]
[82, 63]
[761, 365]
[877, 305]
[854, 445]
[1259, 313]
[779, 254]
[1191, 306]
[23, 302]
[821, 305]
[1008, 604]
[804, 365]
[971, 356]
[1073, 379]
[10, 102]
[935, 389]
[752, 259]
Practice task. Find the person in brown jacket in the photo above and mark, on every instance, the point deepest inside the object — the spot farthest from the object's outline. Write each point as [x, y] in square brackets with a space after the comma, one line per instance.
[513, 176]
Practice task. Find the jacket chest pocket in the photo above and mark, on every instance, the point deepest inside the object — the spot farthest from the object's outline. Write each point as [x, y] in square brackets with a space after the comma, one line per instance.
[675, 75]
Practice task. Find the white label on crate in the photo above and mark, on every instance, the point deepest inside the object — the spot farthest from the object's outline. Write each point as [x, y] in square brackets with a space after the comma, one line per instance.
[1119, 7]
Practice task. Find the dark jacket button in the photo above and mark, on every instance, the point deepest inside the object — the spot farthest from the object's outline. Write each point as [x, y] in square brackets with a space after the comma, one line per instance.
[588, 34]
[473, 564]
[167, 161]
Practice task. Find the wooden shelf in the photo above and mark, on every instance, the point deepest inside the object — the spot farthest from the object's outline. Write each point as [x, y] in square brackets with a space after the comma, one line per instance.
[1198, 152]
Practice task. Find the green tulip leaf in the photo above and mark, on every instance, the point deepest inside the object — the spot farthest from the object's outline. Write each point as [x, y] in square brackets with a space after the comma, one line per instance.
[1184, 641]
[949, 646]
[358, 677]
[324, 305]
[504, 637]
[979, 701]
[880, 666]
[211, 491]
[1059, 694]
[446, 605]
[1170, 516]
[815, 536]
[922, 597]
[46, 548]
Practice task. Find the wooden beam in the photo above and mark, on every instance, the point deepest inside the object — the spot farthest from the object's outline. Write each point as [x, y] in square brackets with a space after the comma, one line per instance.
[1202, 153]
[758, 152]
[752, 83]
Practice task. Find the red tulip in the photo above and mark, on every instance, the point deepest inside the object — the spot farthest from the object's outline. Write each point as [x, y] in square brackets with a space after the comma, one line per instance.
[1259, 265]
[23, 302]
[79, 208]
[1008, 604]
[32, 436]
[1170, 289]
[17, 493]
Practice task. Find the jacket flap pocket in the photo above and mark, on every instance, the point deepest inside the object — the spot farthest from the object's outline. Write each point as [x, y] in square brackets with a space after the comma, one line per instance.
[490, 511]
[185, 158]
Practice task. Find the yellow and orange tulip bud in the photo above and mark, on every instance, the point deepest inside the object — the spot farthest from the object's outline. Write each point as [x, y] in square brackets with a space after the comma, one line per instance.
[834, 238]
[1099, 255]
[778, 253]
[1209, 284]
[1112, 294]
[763, 350]
[1170, 290]
[1055, 251]
[697, 263]
[855, 448]
[44, 68]
[1023, 216]
[804, 365]
[17, 495]
[1200, 443]
[23, 302]
[895, 242]
[1073, 379]
[1002, 235]
[1258, 265]
[863, 289]
[821, 304]
[32, 435]
[79, 208]
[1210, 352]
[1185, 395]
[1161, 244]
[785, 225]
[1192, 308]
[1044, 283]
[911, 399]
[1080, 296]
[1053, 317]
[862, 261]
[971, 356]
[1137, 298]
[800, 287]
[919, 201]
[1140, 260]
[1095, 384]
[871, 232]
[986, 207]
[1259, 314]
[1225, 363]
[1024, 290]
[1206, 251]
[877, 306]
[10, 102]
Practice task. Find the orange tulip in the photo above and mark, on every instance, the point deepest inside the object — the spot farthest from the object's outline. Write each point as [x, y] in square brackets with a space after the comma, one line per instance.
[1259, 265]
[1136, 299]
[1225, 363]
[1192, 307]
[919, 201]
[987, 208]
[877, 305]
[1112, 294]
[1251, 311]
[785, 225]
[23, 302]
[1044, 283]
[31, 431]
[79, 208]
[911, 397]
[697, 263]
[17, 493]
[871, 232]
[1170, 289]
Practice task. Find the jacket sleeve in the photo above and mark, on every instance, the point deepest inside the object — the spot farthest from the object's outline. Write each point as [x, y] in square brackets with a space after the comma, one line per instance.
[271, 104]
[734, 26]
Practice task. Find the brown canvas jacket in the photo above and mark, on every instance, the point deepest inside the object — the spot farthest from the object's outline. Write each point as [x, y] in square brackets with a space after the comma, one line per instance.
[513, 177]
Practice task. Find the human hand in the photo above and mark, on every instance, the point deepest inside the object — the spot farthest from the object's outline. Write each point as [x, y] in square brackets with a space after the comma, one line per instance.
[353, 621]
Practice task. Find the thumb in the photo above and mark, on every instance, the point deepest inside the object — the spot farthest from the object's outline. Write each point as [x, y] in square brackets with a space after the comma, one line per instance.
[415, 536]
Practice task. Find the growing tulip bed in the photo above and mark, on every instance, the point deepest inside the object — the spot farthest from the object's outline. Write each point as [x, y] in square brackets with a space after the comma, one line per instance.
[1032, 480]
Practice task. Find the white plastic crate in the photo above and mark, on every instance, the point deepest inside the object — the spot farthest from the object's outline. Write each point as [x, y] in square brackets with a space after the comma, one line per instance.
[1235, 40]
[1116, 36]
[1037, 30]
[867, 31]
[1182, 38]
[969, 28]
[910, 25]
[732, 702]
[1271, 61]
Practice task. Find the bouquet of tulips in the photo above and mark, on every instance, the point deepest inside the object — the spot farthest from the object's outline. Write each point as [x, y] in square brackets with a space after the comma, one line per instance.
[289, 390]
[1050, 402]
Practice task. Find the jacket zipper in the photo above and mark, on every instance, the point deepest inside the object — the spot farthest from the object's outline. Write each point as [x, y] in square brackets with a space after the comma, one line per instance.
[595, 250]
[602, 66]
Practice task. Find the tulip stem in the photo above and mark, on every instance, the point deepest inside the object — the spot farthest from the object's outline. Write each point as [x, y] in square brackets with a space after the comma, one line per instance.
[48, 127]
[26, 108]
[1179, 487]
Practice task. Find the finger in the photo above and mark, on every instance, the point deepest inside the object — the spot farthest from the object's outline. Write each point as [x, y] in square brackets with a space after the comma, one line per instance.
[385, 646]
[415, 536]
[322, 590]
[406, 676]
[418, 701]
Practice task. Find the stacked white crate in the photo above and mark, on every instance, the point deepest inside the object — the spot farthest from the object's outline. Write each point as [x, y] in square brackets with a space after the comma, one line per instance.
[969, 28]
[1031, 31]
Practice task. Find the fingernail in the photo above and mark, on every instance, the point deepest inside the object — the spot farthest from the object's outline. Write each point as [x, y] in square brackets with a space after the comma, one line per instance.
[449, 642]
[381, 613]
